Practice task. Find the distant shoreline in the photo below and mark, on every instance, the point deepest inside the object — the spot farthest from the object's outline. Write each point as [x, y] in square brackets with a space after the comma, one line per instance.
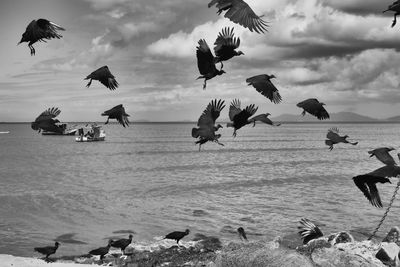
[223, 122]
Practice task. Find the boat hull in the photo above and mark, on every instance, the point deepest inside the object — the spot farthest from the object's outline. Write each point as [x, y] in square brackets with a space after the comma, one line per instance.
[73, 132]
[89, 139]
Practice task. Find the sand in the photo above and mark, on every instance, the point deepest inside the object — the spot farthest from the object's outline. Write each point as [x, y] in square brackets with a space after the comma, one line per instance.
[12, 261]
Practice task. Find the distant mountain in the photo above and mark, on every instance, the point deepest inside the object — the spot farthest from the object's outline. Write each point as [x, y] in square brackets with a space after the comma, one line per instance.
[396, 118]
[340, 116]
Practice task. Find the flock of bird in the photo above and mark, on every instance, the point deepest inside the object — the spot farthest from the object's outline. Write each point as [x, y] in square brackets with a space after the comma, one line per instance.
[225, 48]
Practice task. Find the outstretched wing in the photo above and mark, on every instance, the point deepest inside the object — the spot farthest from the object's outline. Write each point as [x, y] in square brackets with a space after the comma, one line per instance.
[367, 184]
[48, 114]
[234, 109]
[382, 154]
[104, 76]
[333, 135]
[264, 118]
[264, 86]
[42, 29]
[211, 114]
[314, 107]
[226, 43]
[205, 59]
[308, 231]
[243, 116]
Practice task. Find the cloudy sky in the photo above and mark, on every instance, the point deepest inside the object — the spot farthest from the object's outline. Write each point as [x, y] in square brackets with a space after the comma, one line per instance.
[342, 52]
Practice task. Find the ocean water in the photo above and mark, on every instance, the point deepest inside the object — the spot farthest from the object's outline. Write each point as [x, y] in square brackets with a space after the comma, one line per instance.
[151, 179]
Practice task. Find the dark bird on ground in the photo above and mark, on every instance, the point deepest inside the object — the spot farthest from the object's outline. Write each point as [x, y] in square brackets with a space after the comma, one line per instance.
[118, 113]
[395, 7]
[40, 30]
[48, 250]
[263, 85]
[367, 184]
[225, 46]
[206, 63]
[238, 116]
[45, 121]
[334, 138]
[122, 243]
[382, 154]
[102, 250]
[242, 233]
[314, 107]
[104, 76]
[207, 128]
[177, 235]
[240, 12]
[308, 231]
[264, 118]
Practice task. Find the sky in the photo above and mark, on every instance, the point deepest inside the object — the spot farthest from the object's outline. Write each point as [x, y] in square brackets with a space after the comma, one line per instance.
[343, 53]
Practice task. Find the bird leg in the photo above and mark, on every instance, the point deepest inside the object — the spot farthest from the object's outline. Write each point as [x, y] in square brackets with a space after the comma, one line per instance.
[216, 141]
[199, 147]
[90, 82]
[254, 123]
[303, 113]
[355, 143]
[234, 133]
[222, 65]
[331, 147]
[394, 20]
[107, 118]
[205, 84]
[32, 49]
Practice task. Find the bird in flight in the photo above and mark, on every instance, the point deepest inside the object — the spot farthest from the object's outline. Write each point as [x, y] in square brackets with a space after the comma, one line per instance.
[263, 85]
[382, 154]
[264, 118]
[314, 107]
[45, 121]
[239, 12]
[225, 46]
[118, 113]
[40, 30]
[334, 138]
[206, 130]
[103, 75]
[396, 8]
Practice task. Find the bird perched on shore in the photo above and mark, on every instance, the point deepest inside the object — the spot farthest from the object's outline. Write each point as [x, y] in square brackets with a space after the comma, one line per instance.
[334, 138]
[118, 113]
[122, 243]
[242, 233]
[40, 30]
[314, 107]
[264, 118]
[177, 235]
[206, 123]
[206, 63]
[104, 76]
[45, 121]
[382, 154]
[263, 85]
[102, 250]
[48, 250]
[225, 46]
[395, 7]
[240, 12]
[308, 231]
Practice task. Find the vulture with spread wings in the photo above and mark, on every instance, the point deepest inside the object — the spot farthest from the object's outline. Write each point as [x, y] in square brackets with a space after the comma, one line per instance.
[45, 121]
[225, 46]
[382, 154]
[118, 113]
[206, 63]
[314, 107]
[263, 85]
[103, 75]
[207, 128]
[40, 30]
[240, 12]
[334, 138]
[395, 7]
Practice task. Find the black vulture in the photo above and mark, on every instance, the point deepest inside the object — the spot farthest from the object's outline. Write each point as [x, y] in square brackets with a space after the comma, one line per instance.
[118, 113]
[334, 138]
[367, 184]
[242, 233]
[263, 85]
[40, 30]
[263, 118]
[314, 107]
[48, 250]
[206, 123]
[102, 250]
[395, 7]
[225, 45]
[177, 235]
[308, 231]
[45, 121]
[240, 12]
[122, 243]
[206, 63]
[382, 154]
[103, 75]
[238, 116]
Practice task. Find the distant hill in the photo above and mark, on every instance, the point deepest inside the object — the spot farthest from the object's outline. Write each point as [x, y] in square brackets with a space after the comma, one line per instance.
[396, 118]
[340, 117]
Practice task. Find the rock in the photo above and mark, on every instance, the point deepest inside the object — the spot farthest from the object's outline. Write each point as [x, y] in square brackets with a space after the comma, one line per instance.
[341, 237]
[389, 254]
[332, 257]
[393, 236]
[308, 248]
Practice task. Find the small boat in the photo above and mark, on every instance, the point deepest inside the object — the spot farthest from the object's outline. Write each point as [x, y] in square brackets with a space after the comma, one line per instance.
[6, 132]
[65, 131]
[96, 134]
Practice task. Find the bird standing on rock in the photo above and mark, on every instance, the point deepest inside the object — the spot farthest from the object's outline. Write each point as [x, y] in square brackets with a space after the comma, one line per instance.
[48, 250]
[40, 30]
[104, 76]
[122, 243]
[264, 86]
[242, 233]
[102, 250]
[177, 235]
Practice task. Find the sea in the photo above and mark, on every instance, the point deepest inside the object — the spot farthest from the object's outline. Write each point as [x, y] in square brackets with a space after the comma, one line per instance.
[151, 179]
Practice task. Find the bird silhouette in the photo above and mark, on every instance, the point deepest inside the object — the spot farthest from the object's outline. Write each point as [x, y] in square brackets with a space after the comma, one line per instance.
[177, 235]
[104, 76]
[395, 7]
[40, 30]
[118, 113]
[240, 12]
[308, 231]
[206, 63]
[225, 46]
[122, 243]
[382, 154]
[242, 233]
[48, 250]
[367, 184]
[102, 250]
[206, 123]
[263, 118]
[238, 116]
[45, 121]
[334, 138]
[263, 85]
[314, 107]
